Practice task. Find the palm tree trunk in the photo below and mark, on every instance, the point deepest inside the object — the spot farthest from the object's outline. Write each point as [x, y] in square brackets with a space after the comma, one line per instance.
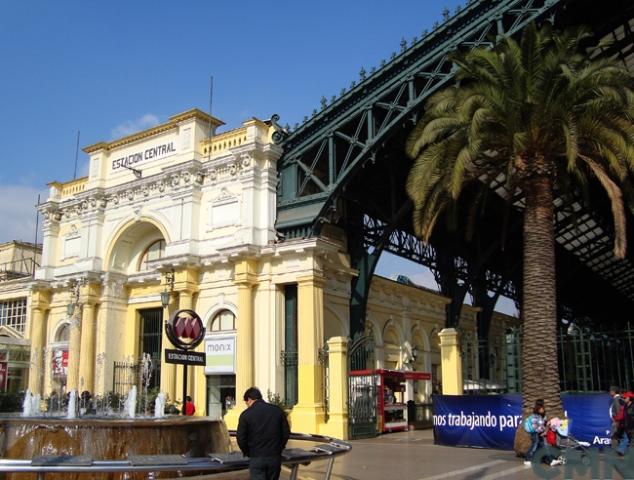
[540, 371]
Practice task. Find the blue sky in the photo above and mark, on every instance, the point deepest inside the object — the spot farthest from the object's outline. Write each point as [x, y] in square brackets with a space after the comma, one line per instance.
[109, 68]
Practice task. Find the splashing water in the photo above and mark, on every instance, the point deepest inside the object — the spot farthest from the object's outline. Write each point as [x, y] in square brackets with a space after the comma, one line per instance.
[130, 403]
[72, 405]
[159, 406]
[31, 405]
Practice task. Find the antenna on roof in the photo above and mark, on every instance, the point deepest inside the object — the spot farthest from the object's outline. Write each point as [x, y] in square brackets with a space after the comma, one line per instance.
[137, 173]
[211, 97]
[37, 225]
[76, 155]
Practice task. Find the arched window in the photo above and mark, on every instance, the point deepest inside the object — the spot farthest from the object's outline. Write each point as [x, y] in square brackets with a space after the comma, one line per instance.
[224, 320]
[63, 333]
[153, 252]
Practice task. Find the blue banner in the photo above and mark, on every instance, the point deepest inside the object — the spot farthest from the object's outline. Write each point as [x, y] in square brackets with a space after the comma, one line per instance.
[589, 416]
[490, 421]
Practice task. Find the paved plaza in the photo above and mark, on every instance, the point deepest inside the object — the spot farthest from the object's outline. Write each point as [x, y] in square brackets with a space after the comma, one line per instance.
[413, 456]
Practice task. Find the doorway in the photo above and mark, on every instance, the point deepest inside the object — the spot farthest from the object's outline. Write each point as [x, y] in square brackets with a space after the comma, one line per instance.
[151, 341]
[221, 394]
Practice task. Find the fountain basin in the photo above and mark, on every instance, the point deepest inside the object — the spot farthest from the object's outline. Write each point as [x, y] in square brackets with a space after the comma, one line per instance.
[111, 439]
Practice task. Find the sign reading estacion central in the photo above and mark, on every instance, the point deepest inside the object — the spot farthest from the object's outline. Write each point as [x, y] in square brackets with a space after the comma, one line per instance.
[151, 153]
[182, 357]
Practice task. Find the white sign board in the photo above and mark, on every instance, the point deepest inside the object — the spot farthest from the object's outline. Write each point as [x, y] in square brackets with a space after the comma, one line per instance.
[220, 354]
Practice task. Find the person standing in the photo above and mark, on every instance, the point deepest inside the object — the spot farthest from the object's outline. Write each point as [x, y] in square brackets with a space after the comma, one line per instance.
[616, 404]
[535, 425]
[190, 408]
[263, 432]
[627, 422]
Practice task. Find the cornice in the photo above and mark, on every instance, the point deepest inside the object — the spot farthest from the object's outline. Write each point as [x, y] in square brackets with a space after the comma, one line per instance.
[174, 122]
[174, 179]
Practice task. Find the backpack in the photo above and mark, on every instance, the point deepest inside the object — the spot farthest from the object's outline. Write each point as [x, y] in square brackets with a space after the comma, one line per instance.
[528, 424]
[619, 416]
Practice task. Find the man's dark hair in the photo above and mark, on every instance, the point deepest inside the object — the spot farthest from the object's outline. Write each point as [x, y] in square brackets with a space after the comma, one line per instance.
[188, 398]
[253, 394]
[615, 389]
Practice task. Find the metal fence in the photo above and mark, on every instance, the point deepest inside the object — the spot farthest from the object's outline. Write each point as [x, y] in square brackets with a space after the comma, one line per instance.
[141, 373]
[594, 361]
[589, 361]
[126, 374]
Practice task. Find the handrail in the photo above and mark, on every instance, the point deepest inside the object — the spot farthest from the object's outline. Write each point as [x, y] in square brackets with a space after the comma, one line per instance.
[329, 449]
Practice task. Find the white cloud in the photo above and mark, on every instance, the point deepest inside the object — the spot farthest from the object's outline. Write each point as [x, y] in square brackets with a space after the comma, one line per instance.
[132, 126]
[425, 278]
[17, 212]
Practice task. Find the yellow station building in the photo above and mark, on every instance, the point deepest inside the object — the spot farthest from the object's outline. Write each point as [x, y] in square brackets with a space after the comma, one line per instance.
[186, 212]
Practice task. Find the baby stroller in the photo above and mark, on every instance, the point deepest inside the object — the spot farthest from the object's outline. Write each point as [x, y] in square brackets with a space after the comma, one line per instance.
[558, 436]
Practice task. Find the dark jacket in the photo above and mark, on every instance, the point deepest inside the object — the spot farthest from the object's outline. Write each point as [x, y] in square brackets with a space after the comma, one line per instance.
[628, 421]
[262, 430]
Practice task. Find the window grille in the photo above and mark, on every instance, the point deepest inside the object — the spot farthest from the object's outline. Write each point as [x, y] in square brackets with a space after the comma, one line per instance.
[13, 314]
[224, 320]
[155, 251]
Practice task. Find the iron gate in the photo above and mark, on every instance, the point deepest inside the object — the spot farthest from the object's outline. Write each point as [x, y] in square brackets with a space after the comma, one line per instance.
[362, 388]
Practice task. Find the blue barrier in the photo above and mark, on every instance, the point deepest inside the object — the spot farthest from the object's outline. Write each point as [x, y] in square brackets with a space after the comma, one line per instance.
[490, 421]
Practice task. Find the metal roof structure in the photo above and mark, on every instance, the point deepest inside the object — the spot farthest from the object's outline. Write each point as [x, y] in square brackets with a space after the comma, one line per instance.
[345, 165]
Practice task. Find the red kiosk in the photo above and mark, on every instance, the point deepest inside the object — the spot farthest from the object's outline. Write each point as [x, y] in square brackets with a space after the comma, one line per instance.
[391, 408]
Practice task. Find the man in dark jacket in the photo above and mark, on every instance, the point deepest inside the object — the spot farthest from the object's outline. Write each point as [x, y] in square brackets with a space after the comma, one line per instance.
[262, 435]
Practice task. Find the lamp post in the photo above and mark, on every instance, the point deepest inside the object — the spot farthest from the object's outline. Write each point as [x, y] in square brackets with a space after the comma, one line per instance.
[414, 354]
[581, 356]
[165, 294]
[73, 309]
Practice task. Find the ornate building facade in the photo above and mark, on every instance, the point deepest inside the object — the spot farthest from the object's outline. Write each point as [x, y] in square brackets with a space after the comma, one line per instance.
[179, 217]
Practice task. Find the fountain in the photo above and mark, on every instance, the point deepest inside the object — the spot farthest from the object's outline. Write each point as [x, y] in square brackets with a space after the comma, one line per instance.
[130, 403]
[31, 404]
[159, 405]
[126, 436]
[72, 405]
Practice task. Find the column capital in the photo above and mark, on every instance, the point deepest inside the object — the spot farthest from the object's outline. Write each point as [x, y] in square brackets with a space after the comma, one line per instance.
[337, 345]
[245, 272]
[186, 280]
[90, 293]
[40, 298]
[316, 278]
[449, 337]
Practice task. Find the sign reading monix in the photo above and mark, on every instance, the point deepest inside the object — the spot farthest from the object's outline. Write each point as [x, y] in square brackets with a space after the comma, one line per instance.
[155, 152]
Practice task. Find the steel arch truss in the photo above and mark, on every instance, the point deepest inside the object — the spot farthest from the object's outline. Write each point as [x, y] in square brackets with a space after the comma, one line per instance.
[322, 155]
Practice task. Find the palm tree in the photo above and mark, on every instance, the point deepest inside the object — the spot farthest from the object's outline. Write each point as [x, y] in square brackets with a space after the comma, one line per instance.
[551, 121]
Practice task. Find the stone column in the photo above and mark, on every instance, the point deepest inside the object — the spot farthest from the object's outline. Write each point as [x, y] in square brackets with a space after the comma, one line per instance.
[308, 415]
[337, 425]
[245, 278]
[39, 305]
[451, 362]
[74, 346]
[87, 358]
[168, 370]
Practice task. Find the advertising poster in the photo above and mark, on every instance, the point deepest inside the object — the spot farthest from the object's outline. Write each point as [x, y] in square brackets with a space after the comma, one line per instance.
[220, 354]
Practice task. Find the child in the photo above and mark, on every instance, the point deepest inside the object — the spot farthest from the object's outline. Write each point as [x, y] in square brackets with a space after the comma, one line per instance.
[535, 425]
[552, 438]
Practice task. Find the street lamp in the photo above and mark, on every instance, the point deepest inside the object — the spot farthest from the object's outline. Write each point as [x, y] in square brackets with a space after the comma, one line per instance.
[165, 294]
[414, 353]
[74, 300]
